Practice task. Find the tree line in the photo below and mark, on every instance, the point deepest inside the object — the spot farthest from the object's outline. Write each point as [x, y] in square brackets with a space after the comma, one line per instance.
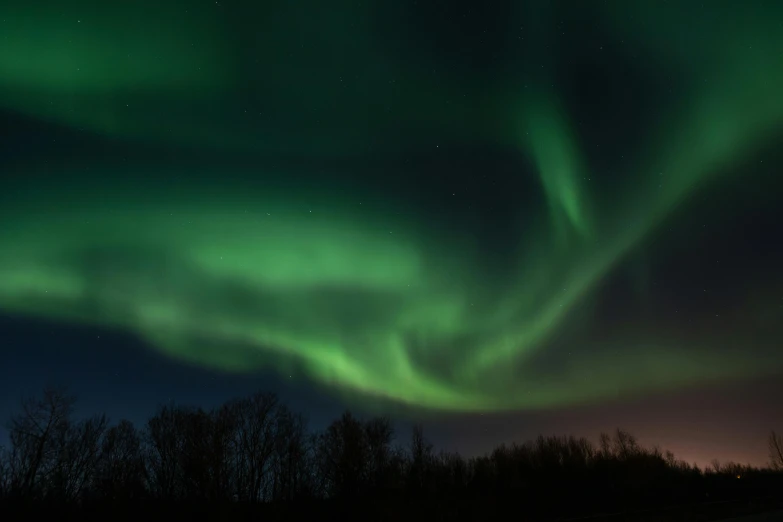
[254, 455]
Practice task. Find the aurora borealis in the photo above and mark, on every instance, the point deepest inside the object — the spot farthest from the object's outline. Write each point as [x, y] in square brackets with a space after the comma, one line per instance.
[463, 208]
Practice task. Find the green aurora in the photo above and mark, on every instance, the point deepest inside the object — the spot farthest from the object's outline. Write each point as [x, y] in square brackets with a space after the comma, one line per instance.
[356, 295]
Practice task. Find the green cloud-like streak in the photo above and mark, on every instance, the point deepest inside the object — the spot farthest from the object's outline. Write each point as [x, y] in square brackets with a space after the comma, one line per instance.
[362, 299]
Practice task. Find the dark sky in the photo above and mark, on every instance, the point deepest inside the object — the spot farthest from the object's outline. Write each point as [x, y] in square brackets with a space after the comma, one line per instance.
[500, 220]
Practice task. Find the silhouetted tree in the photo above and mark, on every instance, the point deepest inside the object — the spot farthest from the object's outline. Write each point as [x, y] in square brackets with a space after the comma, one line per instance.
[38, 434]
[482, 473]
[255, 419]
[256, 451]
[5, 472]
[292, 457]
[221, 454]
[343, 453]
[421, 460]
[776, 451]
[77, 458]
[164, 444]
[454, 471]
[605, 445]
[383, 467]
[121, 472]
[192, 452]
[625, 445]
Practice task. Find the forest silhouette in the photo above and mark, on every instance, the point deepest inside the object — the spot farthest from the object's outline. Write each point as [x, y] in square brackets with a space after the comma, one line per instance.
[254, 459]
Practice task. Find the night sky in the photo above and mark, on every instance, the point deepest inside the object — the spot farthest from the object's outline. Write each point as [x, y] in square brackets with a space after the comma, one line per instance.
[499, 219]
